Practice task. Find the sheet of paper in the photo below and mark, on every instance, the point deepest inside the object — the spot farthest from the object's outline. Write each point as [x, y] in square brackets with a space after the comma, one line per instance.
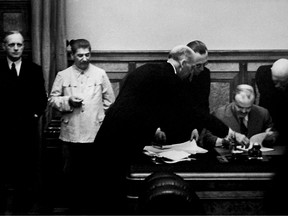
[176, 152]
[174, 155]
[188, 146]
[259, 139]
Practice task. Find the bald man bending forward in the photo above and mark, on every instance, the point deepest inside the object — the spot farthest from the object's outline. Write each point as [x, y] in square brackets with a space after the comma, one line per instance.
[272, 82]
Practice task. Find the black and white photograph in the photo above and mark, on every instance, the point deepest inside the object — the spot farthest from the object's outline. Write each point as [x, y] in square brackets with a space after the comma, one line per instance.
[144, 107]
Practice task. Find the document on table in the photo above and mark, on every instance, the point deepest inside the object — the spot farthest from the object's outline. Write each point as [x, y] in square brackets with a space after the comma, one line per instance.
[175, 152]
[257, 138]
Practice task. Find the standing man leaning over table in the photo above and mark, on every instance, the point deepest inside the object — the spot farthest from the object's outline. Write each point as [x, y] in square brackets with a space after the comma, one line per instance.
[197, 96]
[82, 93]
[272, 85]
[151, 96]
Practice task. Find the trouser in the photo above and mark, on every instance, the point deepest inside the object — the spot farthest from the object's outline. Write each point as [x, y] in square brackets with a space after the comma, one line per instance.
[76, 163]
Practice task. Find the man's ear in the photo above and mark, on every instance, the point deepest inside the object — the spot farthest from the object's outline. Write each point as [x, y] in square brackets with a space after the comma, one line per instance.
[3, 46]
[72, 56]
[182, 63]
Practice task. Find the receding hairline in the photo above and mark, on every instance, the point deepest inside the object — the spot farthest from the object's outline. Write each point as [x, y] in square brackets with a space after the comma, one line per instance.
[180, 51]
[7, 34]
[245, 90]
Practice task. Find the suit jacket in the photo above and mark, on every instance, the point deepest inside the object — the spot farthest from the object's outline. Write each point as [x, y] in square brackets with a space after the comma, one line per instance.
[198, 91]
[197, 98]
[273, 99]
[259, 120]
[151, 96]
[26, 93]
[22, 97]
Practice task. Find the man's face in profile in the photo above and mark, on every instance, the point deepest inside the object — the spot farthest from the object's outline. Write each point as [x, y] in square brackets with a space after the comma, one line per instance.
[201, 60]
[280, 83]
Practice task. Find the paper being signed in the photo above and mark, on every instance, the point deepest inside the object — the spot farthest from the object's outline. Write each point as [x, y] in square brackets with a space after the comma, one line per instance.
[176, 152]
[190, 147]
[257, 138]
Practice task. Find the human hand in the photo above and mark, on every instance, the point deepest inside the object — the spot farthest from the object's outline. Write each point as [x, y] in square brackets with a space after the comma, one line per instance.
[226, 143]
[195, 135]
[242, 139]
[75, 101]
[160, 136]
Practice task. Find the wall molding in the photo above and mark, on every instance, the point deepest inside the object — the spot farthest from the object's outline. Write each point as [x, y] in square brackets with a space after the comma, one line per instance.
[214, 55]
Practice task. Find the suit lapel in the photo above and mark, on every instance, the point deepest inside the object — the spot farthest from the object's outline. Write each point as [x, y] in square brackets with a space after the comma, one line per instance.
[22, 70]
[8, 73]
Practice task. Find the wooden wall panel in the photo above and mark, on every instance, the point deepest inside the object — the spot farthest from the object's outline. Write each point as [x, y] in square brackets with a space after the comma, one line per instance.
[228, 68]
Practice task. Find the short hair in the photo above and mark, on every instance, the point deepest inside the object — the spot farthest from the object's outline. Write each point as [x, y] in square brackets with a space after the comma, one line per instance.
[198, 47]
[246, 90]
[6, 34]
[79, 43]
[181, 52]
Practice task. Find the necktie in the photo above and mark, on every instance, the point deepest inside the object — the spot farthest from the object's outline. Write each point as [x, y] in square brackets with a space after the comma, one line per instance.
[243, 128]
[13, 70]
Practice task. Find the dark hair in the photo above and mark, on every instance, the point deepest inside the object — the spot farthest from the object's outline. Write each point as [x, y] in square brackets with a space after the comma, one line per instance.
[198, 47]
[6, 34]
[79, 43]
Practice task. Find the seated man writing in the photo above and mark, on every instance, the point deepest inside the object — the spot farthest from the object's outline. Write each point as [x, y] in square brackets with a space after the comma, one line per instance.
[242, 116]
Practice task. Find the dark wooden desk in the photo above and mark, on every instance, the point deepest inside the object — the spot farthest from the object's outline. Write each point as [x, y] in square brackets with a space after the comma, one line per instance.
[223, 185]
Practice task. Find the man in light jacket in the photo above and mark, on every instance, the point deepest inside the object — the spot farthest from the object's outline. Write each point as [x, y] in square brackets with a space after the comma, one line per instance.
[82, 93]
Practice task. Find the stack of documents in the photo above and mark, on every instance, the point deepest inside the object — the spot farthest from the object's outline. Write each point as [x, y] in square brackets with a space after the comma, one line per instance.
[174, 153]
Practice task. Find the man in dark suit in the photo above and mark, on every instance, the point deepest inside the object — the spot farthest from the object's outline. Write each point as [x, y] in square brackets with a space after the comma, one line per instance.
[196, 95]
[199, 88]
[24, 100]
[242, 116]
[271, 82]
[151, 97]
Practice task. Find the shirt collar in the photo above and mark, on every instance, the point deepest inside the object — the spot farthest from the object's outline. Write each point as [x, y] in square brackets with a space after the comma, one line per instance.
[246, 117]
[18, 62]
[79, 71]
[173, 67]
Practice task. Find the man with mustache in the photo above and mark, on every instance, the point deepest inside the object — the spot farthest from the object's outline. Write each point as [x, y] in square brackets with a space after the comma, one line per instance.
[242, 116]
[82, 93]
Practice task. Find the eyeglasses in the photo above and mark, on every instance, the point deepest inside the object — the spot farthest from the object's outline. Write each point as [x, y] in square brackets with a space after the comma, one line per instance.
[201, 65]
